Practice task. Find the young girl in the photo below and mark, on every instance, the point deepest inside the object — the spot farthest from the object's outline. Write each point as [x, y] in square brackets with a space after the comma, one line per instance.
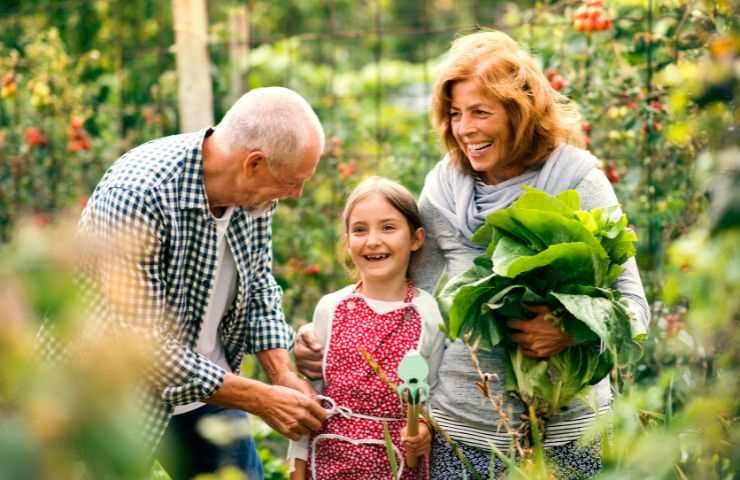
[386, 315]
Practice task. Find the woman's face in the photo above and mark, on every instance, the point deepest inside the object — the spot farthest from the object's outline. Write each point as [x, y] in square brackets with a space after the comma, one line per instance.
[480, 127]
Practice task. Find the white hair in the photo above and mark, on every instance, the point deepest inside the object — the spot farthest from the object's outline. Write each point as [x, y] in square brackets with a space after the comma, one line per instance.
[276, 120]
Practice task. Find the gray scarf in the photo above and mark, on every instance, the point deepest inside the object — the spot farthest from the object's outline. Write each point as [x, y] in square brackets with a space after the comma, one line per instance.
[466, 201]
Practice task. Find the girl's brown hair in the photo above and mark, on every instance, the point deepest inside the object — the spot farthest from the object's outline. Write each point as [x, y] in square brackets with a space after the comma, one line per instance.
[539, 117]
[393, 192]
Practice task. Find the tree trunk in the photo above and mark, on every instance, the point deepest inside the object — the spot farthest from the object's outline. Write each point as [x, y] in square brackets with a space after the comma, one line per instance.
[195, 95]
[238, 50]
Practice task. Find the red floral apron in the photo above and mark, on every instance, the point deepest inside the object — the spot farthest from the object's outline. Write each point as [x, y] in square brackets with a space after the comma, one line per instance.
[350, 444]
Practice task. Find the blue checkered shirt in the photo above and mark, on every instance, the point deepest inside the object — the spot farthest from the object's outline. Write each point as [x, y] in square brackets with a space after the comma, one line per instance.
[151, 204]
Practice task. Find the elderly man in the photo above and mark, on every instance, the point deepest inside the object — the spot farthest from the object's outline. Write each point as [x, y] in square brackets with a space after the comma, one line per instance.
[188, 219]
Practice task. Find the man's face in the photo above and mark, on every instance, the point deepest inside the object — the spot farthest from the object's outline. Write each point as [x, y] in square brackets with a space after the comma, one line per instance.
[271, 184]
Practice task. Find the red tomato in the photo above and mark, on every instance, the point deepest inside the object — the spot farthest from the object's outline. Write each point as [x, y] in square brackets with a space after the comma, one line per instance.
[557, 82]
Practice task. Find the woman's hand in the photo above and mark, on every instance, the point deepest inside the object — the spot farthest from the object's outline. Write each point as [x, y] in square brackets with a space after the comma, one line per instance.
[418, 445]
[308, 353]
[539, 337]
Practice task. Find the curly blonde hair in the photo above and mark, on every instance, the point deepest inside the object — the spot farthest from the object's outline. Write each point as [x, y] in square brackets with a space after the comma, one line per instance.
[540, 118]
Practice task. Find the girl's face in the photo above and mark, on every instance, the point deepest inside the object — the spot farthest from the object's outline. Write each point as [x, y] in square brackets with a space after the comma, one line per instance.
[480, 127]
[379, 240]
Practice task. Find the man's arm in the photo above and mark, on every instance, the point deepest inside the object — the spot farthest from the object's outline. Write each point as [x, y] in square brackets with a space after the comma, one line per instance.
[267, 326]
[276, 364]
[287, 405]
[288, 411]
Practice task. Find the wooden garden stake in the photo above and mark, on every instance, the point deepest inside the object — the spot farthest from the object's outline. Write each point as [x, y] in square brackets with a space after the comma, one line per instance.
[412, 427]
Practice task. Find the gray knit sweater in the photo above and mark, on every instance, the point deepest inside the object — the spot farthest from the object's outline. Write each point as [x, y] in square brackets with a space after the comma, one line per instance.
[457, 403]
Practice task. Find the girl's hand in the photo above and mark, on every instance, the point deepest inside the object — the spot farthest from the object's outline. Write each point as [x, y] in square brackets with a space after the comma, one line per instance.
[539, 337]
[420, 444]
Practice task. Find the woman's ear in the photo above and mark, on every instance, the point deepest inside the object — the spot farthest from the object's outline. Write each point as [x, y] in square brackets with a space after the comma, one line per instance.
[417, 239]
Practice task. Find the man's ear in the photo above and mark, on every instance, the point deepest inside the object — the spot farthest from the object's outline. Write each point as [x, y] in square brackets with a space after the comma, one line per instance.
[253, 162]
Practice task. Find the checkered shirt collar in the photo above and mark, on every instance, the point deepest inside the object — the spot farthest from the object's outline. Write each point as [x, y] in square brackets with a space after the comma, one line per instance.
[192, 192]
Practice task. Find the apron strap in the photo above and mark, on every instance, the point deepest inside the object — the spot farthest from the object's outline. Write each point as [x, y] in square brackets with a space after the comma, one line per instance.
[407, 298]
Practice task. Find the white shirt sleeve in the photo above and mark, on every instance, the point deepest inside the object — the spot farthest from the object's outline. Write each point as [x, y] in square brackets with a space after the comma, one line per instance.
[432, 342]
[321, 326]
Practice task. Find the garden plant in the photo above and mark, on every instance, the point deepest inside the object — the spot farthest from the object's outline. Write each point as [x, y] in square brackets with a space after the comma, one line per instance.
[657, 83]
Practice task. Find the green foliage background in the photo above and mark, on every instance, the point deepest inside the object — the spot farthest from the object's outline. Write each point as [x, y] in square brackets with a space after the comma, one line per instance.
[658, 91]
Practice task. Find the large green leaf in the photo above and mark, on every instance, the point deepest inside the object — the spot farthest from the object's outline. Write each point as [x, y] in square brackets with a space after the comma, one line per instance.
[507, 250]
[565, 203]
[481, 268]
[595, 312]
[561, 264]
[601, 315]
[505, 222]
[546, 227]
[578, 331]
[465, 312]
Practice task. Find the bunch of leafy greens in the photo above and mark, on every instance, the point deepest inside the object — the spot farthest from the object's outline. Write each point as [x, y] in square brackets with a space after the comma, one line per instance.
[545, 250]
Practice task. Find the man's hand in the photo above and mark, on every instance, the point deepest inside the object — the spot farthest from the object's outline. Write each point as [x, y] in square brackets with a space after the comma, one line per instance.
[288, 411]
[308, 353]
[539, 337]
[420, 444]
